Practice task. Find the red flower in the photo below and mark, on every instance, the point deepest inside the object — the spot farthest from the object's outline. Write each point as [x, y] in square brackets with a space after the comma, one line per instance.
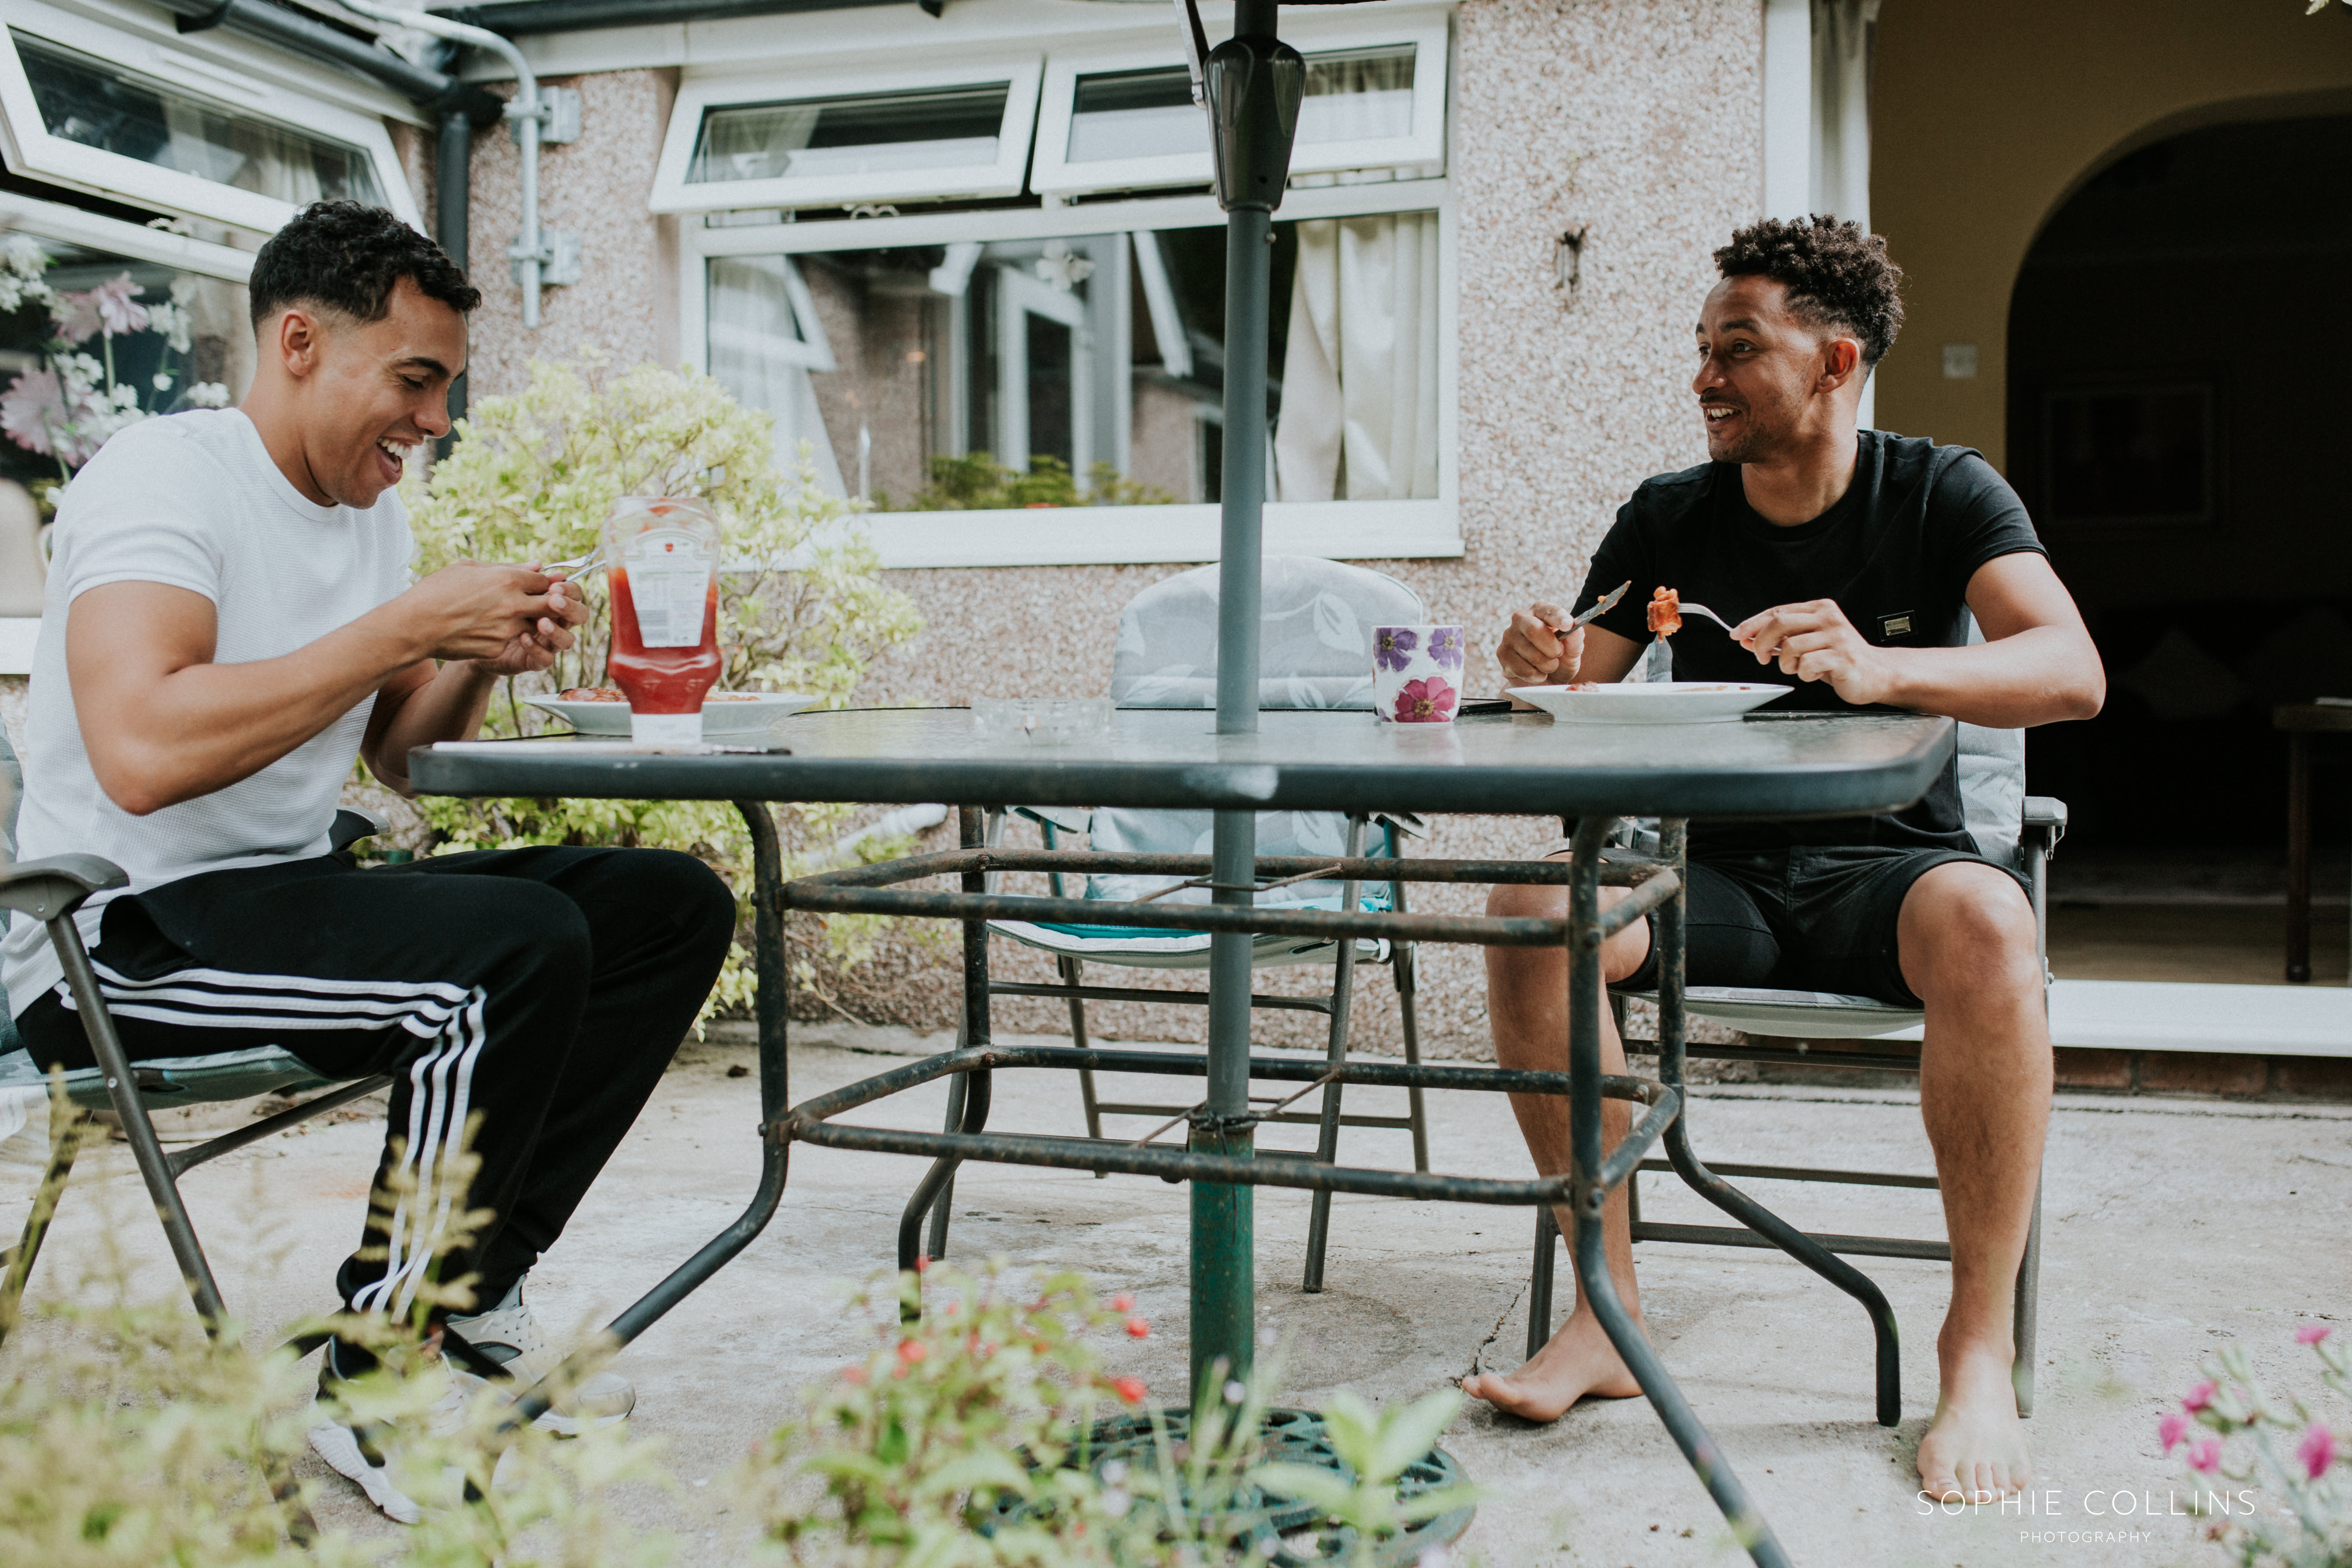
[912, 1350]
[855, 1375]
[1136, 1329]
[1130, 1389]
[1122, 1302]
[1426, 701]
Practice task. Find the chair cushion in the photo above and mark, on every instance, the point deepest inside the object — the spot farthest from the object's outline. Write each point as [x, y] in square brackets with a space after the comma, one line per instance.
[1819, 1015]
[1141, 947]
[168, 1081]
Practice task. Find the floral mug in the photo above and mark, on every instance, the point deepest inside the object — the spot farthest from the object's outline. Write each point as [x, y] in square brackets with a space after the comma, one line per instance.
[1416, 673]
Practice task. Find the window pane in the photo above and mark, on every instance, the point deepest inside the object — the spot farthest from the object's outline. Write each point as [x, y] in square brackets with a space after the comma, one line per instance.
[91, 342]
[1352, 95]
[1090, 370]
[1136, 114]
[1358, 95]
[942, 127]
[101, 105]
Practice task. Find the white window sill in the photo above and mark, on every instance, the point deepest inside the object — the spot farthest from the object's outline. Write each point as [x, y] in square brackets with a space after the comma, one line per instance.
[18, 635]
[1136, 535]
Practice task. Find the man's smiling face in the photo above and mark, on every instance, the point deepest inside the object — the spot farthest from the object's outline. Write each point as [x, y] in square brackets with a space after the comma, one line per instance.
[1759, 369]
[376, 390]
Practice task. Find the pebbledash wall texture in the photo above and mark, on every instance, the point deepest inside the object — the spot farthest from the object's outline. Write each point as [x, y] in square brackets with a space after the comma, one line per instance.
[1637, 123]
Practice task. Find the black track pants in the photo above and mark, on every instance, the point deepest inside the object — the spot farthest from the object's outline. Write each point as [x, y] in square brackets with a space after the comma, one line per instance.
[544, 990]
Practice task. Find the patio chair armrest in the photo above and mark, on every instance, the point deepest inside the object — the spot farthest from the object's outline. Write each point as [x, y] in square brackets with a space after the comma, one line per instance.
[1064, 818]
[2046, 811]
[56, 885]
[351, 825]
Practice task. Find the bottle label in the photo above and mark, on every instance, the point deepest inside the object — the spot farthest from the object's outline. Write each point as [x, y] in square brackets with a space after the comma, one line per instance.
[669, 580]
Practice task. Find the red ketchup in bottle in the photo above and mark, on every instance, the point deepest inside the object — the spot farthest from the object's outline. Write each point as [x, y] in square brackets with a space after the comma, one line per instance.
[665, 584]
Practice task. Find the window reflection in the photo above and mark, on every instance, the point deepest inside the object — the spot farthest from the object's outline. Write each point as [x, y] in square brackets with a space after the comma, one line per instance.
[943, 128]
[98, 104]
[1089, 370]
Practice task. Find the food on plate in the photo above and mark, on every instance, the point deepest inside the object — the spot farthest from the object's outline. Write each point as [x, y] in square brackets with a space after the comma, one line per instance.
[590, 694]
[1584, 685]
[710, 697]
[1666, 612]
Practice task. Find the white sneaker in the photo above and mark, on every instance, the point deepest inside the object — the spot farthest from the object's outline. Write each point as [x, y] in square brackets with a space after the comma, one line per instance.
[357, 1448]
[508, 1334]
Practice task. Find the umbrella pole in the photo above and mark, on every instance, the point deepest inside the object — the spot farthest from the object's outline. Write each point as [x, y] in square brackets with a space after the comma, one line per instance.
[1224, 1288]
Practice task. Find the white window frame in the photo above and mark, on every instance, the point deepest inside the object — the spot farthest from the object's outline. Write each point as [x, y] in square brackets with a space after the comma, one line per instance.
[1021, 72]
[1422, 150]
[235, 87]
[1120, 535]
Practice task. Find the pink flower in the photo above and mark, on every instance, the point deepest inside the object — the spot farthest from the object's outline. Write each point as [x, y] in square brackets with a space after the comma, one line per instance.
[106, 308]
[2198, 1397]
[2318, 1449]
[32, 409]
[1122, 1302]
[2205, 1456]
[2172, 1429]
[1427, 701]
[2311, 1333]
[1130, 1389]
[1136, 1329]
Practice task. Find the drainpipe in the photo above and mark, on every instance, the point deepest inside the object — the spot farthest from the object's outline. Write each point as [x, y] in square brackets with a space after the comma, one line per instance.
[530, 113]
[452, 175]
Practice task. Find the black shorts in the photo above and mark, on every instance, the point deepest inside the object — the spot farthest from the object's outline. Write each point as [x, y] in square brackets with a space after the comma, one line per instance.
[1802, 920]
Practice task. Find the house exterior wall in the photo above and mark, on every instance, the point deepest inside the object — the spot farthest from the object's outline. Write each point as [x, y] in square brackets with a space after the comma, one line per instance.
[1636, 121]
[1987, 114]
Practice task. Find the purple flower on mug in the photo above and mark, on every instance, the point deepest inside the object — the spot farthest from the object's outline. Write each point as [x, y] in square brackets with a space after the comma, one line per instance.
[1392, 647]
[1426, 701]
[1445, 647]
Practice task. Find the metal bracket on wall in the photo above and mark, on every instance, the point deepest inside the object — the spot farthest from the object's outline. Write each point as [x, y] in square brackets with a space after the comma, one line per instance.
[558, 115]
[558, 258]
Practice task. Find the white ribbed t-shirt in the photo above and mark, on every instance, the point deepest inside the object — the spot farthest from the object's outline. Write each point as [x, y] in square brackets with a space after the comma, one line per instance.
[195, 501]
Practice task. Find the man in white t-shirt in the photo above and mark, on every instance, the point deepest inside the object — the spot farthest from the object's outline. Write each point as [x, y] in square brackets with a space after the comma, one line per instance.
[229, 625]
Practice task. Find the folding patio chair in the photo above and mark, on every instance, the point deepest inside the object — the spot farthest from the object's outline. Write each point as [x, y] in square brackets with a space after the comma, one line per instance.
[50, 890]
[2010, 826]
[1316, 643]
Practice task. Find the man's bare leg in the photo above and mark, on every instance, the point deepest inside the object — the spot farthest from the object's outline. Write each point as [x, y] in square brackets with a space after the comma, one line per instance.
[1527, 1000]
[1967, 947]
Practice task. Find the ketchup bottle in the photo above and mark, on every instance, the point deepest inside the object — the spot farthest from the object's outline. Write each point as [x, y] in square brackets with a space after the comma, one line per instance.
[664, 555]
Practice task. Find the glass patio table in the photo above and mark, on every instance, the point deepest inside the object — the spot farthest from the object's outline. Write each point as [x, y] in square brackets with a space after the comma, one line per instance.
[1766, 767]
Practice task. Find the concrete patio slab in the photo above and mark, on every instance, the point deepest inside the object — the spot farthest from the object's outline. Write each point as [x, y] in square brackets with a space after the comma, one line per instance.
[2173, 1226]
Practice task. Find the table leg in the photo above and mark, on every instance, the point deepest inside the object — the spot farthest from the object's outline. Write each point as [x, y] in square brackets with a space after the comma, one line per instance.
[2298, 856]
[771, 1009]
[973, 1033]
[1224, 1281]
[1596, 1287]
[1335, 1051]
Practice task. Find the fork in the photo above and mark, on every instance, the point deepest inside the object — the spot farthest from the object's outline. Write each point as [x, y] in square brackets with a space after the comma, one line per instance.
[579, 567]
[1690, 609]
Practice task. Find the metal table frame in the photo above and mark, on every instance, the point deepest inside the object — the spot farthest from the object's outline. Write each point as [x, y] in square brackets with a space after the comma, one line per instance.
[1656, 889]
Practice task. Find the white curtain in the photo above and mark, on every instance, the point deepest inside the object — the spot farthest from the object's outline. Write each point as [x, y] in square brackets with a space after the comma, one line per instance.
[245, 153]
[1359, 374]
[758, 353]
[1843, 33]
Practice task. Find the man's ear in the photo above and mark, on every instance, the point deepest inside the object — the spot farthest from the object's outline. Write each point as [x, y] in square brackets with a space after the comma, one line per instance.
[1841, 362]
[300, 340]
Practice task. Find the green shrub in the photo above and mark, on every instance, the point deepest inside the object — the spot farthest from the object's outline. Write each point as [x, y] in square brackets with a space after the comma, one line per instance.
[801, 605]
[978, 482]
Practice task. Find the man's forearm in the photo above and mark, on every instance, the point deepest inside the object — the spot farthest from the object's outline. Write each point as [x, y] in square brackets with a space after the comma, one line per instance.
[450, 707]
[2038, 676]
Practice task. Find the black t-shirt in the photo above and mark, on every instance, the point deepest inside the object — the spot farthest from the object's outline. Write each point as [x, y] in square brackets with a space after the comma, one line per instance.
[1895, 551]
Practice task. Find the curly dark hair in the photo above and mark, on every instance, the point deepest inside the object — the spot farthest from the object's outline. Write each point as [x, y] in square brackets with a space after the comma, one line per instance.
[347, 257]
[1836, 275]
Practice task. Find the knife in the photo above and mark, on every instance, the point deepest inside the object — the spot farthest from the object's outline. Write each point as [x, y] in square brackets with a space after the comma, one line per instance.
[1606, 602]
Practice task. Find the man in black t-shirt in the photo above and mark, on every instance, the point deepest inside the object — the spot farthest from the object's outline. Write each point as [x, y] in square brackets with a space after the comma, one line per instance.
[1849, 562]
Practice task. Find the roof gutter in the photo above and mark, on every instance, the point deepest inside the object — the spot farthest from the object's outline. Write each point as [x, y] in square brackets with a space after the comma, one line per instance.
[516, 18]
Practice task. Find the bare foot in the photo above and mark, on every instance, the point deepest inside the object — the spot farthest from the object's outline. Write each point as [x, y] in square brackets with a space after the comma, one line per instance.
[1975, 1449]
[1579, 1361]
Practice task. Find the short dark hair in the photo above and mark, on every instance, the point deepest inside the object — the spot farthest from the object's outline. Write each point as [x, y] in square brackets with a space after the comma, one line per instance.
[1836, 275]
[347, 257]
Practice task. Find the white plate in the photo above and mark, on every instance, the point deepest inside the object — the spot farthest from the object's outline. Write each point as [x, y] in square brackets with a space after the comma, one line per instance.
[719, 720]
[1652, 702]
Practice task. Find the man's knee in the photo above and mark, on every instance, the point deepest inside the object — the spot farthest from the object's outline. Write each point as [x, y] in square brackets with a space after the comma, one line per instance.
[690, 890]
[1620, 957]
[1970, 923]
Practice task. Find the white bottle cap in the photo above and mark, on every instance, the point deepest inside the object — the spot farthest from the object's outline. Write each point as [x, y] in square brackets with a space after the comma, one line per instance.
[665, 728]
